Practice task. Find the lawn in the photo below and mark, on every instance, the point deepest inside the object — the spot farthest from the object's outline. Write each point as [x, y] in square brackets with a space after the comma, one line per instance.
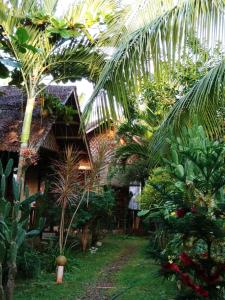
[138, 274]
[139, 279]
[84, 268]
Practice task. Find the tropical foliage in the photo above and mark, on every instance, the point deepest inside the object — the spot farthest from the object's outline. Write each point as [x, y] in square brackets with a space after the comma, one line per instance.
[14, 229]
[36, 42]
[158, 68]
[161, 37]
[191, 213]
[94, 213]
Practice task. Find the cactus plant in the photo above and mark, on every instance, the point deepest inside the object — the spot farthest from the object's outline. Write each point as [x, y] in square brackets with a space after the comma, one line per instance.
[14, 218]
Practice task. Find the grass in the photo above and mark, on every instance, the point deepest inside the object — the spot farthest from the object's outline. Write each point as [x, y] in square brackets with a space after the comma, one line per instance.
[136, 280]
[84, 269]
[139, 279]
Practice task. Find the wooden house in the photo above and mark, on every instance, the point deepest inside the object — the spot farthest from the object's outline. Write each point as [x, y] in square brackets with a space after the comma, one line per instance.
[49, 134]
[98, 134]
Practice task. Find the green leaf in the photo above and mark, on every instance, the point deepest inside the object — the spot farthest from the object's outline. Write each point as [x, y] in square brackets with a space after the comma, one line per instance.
[143, 212]
[58, 23]
[66, 33]
[33, 233]
[3, 185]
[41, 224]
[14, 229]
[2, 251]
[22, 35]
[179, 171]
[30, 200]
[7, 209]
[20, 238]
[22, 49]
[30, 47]
[174, 156]
[180, 185]
[16, 190]
[8, 169]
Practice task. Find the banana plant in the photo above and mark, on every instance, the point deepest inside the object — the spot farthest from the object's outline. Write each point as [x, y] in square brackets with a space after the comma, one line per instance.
[14, 229]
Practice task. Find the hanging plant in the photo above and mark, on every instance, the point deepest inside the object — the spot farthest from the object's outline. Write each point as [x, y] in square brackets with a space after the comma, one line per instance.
[30, 156]
[51, 105]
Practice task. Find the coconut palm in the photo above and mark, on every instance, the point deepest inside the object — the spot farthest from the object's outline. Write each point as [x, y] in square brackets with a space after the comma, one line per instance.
[35, 42]
[162, 37]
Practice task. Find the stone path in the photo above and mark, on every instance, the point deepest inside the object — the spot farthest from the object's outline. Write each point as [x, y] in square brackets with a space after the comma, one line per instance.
[100, 289]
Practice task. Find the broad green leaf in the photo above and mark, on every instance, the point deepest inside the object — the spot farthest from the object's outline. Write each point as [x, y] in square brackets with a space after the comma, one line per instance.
[2, 251]
[22, 35]
[9, 166]
[3, 185]
[30, 200]
[22, 49]
[33, 233]
[16, 192]
[30, 47]
[143, 212]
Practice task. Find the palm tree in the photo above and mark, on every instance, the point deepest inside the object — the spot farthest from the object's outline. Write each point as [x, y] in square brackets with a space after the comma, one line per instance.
[140, 53]
[35, 42]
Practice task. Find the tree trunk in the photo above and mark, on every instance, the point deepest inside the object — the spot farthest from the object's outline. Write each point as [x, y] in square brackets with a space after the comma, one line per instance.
[11, 280]
[2, 294]
[94, 232]
[61, 230]
[12, 270]
[25, 135]
[84, 237]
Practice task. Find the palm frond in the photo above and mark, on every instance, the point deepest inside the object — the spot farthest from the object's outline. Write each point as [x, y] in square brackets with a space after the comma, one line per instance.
[140, 53]
[126, 151]
[204, 104]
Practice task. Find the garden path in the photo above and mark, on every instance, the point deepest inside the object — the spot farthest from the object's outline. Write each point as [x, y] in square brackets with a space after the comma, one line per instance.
[100, 289]
[119, 270]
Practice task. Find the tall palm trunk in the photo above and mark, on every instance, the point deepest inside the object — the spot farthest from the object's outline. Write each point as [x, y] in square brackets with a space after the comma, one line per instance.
[25, 135]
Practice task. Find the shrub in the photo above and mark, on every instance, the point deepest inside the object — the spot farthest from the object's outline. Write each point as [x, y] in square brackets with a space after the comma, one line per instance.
[28, 262]
[192, 215]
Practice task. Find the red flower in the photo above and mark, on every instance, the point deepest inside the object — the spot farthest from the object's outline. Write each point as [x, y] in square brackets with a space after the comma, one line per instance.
[185, 259]
[172, 267]
[199, 290]
[180, 212]
[186, 279]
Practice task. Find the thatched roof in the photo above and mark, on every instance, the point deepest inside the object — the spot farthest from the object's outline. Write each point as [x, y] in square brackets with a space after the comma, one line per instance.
[12, 105]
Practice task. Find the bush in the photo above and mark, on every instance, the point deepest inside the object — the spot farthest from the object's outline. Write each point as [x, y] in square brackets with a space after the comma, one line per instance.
[28, 262]
[152, 192]
[192, 216]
